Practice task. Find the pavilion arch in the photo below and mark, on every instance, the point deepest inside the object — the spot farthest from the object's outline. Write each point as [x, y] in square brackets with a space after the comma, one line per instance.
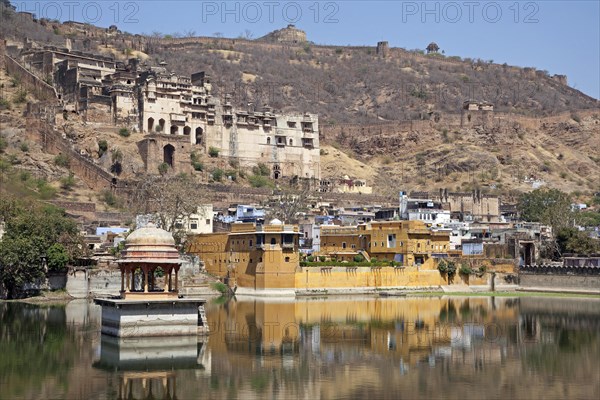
[169, 155]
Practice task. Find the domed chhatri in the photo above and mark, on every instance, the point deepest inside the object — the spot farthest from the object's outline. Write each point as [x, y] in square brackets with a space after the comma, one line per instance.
[150, 245]
[150, 235]
[148, 252]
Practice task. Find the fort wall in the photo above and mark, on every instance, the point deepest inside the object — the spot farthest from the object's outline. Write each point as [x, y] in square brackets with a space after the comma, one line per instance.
[35, 85]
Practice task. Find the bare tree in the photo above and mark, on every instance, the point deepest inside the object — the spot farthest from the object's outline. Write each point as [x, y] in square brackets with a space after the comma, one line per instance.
[170, 199]
[286, 203]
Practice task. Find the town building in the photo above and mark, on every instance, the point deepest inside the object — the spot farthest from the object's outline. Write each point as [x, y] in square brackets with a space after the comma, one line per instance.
[199, 222]
[251, 256]
[344, 185]
[405, 242]
[426, 210]
[463, 206]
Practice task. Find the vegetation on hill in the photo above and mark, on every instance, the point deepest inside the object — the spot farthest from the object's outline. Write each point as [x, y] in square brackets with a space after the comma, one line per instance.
[356, 85]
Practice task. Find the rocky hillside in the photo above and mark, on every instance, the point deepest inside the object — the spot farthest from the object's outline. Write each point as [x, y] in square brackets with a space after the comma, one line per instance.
[390, 117]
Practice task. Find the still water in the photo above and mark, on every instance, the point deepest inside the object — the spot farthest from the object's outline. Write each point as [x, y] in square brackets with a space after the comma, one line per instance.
[450, 347]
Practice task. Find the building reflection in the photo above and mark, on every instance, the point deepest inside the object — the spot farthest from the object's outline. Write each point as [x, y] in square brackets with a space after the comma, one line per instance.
[147, 367]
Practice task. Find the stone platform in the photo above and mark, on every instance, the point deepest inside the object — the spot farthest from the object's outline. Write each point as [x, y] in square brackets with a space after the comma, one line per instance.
[145, 318]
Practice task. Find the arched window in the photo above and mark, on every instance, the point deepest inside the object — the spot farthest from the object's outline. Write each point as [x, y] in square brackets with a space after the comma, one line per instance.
[187, 130]
[268, 140]
[291, 142]
[161, 125]
[174, 129]
[150, 124]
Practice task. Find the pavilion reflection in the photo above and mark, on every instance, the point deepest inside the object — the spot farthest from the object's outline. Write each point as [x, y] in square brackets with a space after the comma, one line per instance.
[147, 367]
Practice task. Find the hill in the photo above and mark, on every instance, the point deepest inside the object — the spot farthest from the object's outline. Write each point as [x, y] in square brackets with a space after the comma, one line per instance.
[388, 115]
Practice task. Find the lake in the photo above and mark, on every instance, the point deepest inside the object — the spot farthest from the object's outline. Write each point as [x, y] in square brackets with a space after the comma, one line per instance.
[336, 347]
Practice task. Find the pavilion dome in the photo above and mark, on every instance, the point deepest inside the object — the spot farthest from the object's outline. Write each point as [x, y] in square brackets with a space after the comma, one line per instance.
[150, 235]
[150, 245]
[275, 221]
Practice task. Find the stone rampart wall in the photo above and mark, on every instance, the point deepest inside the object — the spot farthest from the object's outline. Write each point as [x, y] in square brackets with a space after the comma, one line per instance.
[40, 89]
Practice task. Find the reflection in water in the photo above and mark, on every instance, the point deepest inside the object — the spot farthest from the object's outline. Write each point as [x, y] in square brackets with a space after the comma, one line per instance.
[323, 348]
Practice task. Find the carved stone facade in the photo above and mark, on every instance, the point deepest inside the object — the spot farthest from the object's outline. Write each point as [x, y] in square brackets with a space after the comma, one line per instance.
[178, 114]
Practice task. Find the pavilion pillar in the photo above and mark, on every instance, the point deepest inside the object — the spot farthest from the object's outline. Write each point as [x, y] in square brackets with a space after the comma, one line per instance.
[176, 279]
[122, 279]
[128, 280]
[167, 283]
[145, 269]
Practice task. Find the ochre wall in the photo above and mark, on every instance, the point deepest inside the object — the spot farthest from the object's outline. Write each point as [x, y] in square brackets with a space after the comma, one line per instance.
[360, 277]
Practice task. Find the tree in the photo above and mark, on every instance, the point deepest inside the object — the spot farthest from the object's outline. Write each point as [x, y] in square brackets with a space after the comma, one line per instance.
[34, 231]
[287, 203]
[57, 257]
[170, 199]
[571, 240]
[548, 206]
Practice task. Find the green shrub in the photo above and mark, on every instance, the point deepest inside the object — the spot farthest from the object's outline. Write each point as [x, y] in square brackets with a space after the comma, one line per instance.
[310, 258]
[124, 132]
[62, 160]
[102, 147]
[109, 198]
[45, 190]
[198, 166]
[465, 269]
[322, 258]
[3, 144]
[359, 258]
[163, 168]
[213, 152]
[261, 169]
[258, 181]
[24, 147]
[4, 104]
[20, 96]
[220, 287]
[24, 176]
[217, 175]
[447, 267]
[67, 182]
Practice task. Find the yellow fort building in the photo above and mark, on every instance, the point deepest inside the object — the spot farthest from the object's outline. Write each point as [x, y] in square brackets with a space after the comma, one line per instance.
[265, 258]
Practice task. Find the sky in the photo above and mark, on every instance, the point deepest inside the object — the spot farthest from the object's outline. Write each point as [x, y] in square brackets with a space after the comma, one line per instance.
[561, 37]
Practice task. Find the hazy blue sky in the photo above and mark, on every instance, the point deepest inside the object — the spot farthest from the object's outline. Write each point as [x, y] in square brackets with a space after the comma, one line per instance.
[562, 37]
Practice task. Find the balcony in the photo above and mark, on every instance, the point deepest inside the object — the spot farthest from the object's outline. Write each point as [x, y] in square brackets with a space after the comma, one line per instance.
[178, 118]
